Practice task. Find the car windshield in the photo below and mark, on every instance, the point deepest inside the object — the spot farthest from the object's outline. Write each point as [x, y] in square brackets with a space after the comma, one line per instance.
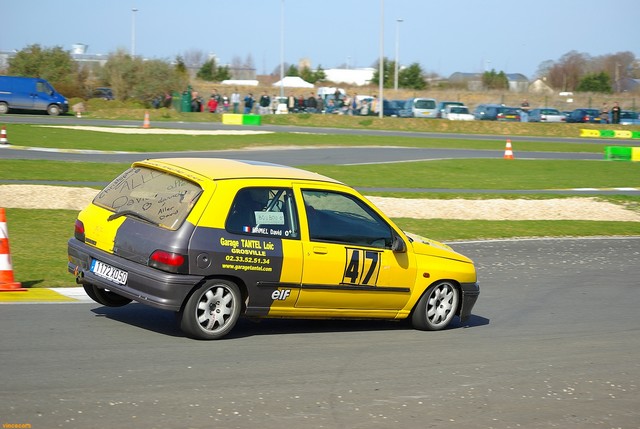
[150, 195]
[425, 104]
[550, 112]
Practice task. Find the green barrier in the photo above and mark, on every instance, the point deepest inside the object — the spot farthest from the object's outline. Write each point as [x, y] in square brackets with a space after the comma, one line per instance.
[635, 134]
[607, 133]
[617, 153]
[251, 120]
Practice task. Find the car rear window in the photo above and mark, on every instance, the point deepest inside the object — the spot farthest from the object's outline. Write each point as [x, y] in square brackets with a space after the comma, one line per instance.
[150, 195]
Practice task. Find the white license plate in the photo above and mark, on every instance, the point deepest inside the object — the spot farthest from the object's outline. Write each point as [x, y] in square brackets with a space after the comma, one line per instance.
[108, 272]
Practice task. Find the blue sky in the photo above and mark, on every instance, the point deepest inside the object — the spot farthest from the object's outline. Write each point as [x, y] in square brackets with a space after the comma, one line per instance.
[442, 36]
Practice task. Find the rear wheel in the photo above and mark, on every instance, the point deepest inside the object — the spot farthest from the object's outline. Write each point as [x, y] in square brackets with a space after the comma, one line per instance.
[437, 307]
[212, 310]
[105, 297]
[4, 108]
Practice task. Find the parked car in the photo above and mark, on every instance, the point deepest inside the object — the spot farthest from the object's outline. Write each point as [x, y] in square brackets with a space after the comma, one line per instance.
[30, 93]
[418, 108]
[546, 115]
[584, 116]
[392, 107]
[457, 113]
[442, 106]
[629, 117]
[496, 112]
[214, 239]
[102, 92]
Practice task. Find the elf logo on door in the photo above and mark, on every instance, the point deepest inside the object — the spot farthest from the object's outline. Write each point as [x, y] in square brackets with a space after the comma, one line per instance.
[280, 295]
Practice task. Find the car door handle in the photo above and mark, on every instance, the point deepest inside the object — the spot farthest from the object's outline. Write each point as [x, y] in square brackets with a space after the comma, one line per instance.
[320, 250]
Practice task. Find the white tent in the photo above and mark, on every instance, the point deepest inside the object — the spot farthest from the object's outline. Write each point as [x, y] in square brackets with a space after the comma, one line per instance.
[293, 82]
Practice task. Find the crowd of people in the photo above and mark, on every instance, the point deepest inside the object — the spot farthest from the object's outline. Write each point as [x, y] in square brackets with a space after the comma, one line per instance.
[339, 103]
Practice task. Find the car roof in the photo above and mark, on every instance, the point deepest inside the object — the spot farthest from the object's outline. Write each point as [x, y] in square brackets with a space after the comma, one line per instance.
[224, 169]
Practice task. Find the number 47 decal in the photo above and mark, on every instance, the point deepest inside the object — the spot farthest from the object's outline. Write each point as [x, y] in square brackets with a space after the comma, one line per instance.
[362, 267]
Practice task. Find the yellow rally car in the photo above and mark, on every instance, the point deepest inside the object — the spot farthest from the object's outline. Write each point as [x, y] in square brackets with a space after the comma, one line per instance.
[212, 239]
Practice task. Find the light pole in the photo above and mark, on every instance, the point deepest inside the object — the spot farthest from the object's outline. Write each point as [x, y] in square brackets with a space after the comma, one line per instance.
[282, 48]
[395, 79]
[133, 31]
[381, 64]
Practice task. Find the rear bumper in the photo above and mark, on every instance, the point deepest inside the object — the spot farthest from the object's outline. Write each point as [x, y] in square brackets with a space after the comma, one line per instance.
[470, 292]
[144, 284]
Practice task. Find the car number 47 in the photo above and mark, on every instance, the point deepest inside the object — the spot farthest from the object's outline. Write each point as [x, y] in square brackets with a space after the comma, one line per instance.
[362, 267]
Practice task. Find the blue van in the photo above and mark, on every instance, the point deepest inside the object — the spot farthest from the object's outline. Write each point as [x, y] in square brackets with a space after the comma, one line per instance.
[30, 93]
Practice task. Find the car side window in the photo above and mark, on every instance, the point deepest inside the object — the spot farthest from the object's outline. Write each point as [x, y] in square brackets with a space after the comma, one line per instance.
[264, 212]
[342, 218]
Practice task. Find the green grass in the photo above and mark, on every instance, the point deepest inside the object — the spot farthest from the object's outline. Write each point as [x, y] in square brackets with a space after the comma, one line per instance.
[488, 174]
[38, 244]
[63, 138]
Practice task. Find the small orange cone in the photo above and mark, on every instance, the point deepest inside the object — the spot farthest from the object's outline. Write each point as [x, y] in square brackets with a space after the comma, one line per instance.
[7, 284]
[146, 123]
[3, 136]
[508, 152]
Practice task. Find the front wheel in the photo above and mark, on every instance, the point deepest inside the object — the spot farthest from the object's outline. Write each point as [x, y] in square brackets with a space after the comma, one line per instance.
[54, 110]
[212, 310]
[436, 307]
[4, 108]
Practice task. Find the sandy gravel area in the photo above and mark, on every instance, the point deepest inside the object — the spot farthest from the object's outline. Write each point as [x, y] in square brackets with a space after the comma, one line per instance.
[61, 197]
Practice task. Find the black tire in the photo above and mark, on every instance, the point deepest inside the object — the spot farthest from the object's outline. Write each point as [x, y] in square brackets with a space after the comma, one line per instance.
[436, 307]
[212, 310]
[54, 110]
[4, 108]
[105, 297]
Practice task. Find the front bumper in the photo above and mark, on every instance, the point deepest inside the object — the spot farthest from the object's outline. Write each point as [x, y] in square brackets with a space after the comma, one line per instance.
[144, 284]
[470, 292]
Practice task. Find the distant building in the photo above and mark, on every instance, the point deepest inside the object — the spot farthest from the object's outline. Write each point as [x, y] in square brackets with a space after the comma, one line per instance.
[358, 77]
[627, 85]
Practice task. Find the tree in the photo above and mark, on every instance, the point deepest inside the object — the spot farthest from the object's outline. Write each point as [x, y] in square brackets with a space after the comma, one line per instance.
[292, 71]
[312, 76]
[387, 70]
[493, 80]
[131, 77]
[53, 64]
[595, 82]
[411, 77]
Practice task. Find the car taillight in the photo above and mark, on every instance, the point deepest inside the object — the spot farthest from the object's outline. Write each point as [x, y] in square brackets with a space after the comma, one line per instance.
[168, 261]
[78, 231]
[500, 115]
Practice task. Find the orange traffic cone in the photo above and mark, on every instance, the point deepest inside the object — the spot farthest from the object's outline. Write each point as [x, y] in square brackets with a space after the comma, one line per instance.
[508, 152]
[7, 284]
[3, 136]
[146, 123]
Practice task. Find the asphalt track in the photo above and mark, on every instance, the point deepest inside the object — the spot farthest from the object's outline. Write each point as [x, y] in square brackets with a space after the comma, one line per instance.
[553, 341]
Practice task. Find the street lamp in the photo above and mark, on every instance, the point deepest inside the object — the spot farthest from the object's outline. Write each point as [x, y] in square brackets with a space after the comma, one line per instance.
[381, 64]
[395, 81]
[133, 31]
[282, 48]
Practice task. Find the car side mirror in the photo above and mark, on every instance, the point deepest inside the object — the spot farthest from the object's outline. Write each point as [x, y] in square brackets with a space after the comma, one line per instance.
[398, 245]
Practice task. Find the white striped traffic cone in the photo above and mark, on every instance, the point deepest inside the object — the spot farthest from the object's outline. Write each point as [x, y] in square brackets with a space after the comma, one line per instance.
[3, 136]
[508, 151]
[7, 283]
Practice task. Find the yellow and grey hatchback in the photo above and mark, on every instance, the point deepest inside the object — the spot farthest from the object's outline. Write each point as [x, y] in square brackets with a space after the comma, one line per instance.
[214, 239]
